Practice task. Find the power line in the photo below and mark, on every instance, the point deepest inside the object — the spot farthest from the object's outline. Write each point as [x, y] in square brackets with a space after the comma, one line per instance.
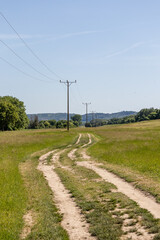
[28, 47]
[74, 97]
[68, 84]
[21, 71]
[24, 61]
[79, 92]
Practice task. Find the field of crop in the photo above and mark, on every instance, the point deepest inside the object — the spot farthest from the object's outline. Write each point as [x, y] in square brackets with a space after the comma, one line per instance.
[131, 151]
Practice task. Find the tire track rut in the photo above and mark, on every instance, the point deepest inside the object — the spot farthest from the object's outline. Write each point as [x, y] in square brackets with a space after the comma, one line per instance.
[73, 221]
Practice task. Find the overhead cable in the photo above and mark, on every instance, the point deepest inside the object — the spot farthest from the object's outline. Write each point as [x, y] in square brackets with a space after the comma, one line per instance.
[28, 75]
[28, 47]
[24, 61]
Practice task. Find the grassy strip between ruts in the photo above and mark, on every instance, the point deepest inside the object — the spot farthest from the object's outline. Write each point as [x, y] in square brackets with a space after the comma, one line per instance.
[102, 224]
[16, 148]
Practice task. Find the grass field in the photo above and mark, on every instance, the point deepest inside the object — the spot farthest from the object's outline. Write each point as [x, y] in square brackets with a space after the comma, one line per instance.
[132, 151]
[16, 147]
[102, 206]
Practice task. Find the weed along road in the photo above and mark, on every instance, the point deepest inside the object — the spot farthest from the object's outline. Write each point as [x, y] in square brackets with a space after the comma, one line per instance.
[95, 203]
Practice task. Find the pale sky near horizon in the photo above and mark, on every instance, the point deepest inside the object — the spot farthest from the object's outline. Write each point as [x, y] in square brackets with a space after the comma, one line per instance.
[111, 47]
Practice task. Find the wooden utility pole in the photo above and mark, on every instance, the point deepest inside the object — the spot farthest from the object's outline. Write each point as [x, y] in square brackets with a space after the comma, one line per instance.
[68, 84]
[86, 111]
[93, 118]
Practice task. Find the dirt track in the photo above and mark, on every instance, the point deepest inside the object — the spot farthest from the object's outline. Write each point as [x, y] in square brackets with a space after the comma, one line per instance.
[126, 188]
[73, 221]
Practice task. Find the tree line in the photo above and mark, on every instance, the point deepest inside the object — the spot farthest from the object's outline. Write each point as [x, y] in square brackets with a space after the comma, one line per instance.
[142, 115]
[34, 123]
[13, 117]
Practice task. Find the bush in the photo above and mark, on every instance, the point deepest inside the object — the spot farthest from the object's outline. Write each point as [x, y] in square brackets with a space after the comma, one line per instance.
[88, 124]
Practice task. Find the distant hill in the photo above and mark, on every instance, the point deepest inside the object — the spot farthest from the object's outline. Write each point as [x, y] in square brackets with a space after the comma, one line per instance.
[109, 115]
[50, 116]
[63, 116]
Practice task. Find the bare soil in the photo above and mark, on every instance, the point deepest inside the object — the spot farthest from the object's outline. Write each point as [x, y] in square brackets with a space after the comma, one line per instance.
[71, 154]
[79, 138]
[28, 223]
[73, 221]
[89, 142]
[126, 188]
[138, 232]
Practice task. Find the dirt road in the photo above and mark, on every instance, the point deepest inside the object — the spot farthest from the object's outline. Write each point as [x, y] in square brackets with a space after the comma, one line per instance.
[73, 221]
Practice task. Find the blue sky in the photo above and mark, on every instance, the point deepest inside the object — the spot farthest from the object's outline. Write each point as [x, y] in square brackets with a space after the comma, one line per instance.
[111, 47]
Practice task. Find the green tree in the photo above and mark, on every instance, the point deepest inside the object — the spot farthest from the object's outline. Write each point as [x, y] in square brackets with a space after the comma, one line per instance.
[61, 124]
[76, 124]
[41, 124]
[77, 119]
[144, 114]
[12, 114]
[52, 122]
[47, 124]
[98, 122]
[71, 124]
[88, 124]
[34, 123]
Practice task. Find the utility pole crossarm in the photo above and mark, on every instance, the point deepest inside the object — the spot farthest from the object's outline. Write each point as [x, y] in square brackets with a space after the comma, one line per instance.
[68, 84]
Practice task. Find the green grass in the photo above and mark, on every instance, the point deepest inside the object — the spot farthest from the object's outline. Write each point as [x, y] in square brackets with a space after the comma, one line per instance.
[16, 147]
[131, 145]
[130, 150]
[98, 203]
[102, 225]
[46, 216]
